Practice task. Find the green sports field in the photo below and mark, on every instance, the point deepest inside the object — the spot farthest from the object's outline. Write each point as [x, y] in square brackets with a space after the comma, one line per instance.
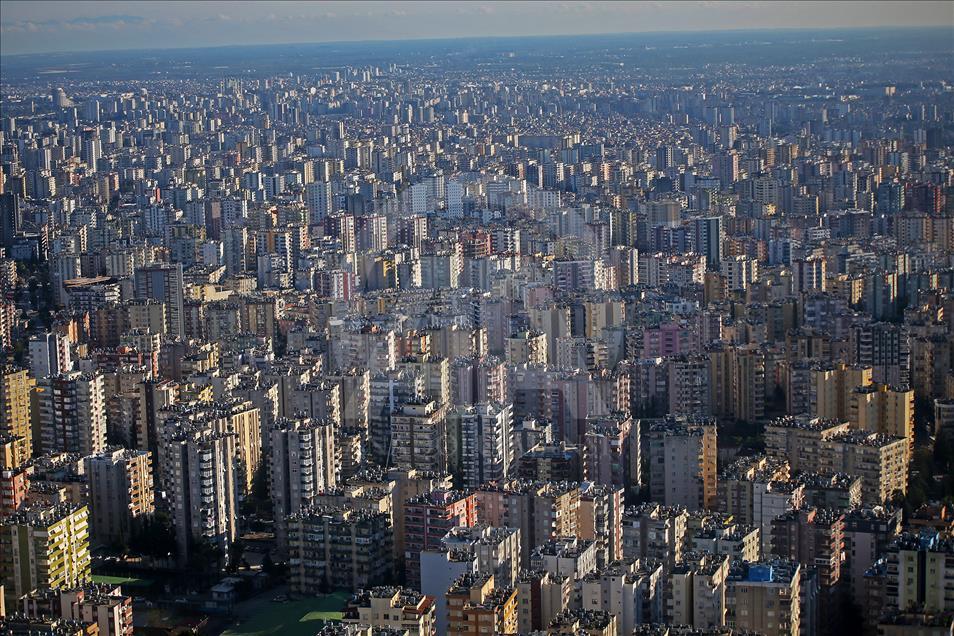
[263, 617]
[121, 580]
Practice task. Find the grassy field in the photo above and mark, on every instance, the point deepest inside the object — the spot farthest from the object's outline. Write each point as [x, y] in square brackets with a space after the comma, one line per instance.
[263, 617]
[121, 580]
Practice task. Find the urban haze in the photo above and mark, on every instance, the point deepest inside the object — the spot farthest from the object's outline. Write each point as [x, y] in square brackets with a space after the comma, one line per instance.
[471, 318]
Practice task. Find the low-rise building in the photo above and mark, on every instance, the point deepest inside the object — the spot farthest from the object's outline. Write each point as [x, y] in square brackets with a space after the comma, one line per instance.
[106, 606]
[394, 608]
[583, 623]
[566, 556]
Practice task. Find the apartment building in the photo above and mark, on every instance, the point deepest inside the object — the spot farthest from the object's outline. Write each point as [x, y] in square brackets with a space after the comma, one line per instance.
[427, 520]
[392, 608]
[540, 510]
[480, 443]
[826, 446]
[654, 531]
[920, 572]
[476, 605]
[419, 435]
[15, 387]
[104, 606]
[72, 413]
[814, 538]
[201, 486]
[338, 548]
[697, 591]
[303, 463]
[764, 597]
[682, 462]
[44, 547]
[120, 491]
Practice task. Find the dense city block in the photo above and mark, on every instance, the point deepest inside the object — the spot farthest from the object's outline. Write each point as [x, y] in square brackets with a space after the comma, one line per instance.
[616, 335]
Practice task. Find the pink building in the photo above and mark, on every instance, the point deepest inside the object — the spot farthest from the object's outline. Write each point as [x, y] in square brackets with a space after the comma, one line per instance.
[669, 339]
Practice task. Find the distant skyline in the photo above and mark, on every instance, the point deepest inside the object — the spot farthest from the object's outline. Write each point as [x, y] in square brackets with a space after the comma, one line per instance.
[47, 27]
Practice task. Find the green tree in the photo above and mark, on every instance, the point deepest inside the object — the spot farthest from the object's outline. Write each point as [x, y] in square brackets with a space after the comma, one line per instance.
[235, 555]
[205, 559]
[152, 535]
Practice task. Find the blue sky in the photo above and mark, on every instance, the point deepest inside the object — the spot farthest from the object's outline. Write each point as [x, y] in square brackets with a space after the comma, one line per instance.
[38, 26]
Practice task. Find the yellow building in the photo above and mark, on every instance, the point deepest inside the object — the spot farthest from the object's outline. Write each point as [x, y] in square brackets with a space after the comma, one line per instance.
[44, 547]
[827, 446]
[880, 461]
[206, 358]
[9, 451]
[394, 608]
[919, 570]
[601, 315]
[527, 347]
[851, 289]
[800, 439]
[15, 387]
[475, 606]
[832, 387]
[880, 408]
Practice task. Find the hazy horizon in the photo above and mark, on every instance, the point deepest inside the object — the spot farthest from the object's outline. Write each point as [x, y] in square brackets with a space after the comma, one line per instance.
[478, 38]
[56, 27]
